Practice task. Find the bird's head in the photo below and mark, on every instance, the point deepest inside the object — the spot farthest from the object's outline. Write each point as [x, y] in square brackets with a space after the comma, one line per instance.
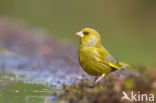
[89, 37]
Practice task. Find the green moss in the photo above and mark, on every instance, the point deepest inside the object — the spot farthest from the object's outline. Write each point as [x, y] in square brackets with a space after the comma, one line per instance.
[128, 84]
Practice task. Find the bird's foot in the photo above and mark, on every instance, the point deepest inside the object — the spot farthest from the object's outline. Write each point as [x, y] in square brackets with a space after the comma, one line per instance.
[98, 79]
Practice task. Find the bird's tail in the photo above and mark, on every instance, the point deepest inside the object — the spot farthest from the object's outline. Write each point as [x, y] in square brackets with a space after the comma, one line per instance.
[124, 65]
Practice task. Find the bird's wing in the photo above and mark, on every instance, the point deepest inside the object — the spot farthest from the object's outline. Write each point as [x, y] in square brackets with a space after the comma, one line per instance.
[107, 59]
[110, 63]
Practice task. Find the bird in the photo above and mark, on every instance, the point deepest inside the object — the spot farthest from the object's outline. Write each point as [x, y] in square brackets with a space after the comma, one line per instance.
[94, 58]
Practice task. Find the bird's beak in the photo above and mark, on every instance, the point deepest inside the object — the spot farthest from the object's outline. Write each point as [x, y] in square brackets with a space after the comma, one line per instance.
[80, 34]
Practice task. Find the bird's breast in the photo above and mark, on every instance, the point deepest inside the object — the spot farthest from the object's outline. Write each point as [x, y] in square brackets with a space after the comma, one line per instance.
[89, 64]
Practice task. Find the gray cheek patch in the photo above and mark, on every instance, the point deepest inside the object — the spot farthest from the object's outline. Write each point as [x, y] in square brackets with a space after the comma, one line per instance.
[92, 39]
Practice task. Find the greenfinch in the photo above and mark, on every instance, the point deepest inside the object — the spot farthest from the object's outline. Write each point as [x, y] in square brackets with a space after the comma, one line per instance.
[93, 57]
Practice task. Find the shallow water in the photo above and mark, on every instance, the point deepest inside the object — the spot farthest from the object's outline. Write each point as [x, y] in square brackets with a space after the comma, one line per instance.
[13, 91]
[25, 85]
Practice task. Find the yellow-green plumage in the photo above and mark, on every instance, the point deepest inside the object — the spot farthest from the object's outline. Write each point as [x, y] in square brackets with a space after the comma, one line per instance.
[93, 57]
[89, 63]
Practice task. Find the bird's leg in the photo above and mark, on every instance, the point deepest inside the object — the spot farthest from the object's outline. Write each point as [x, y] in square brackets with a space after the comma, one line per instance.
[97, 80]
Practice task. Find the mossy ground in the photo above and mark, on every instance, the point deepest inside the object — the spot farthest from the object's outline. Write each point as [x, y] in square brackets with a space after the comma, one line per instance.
[110, 89]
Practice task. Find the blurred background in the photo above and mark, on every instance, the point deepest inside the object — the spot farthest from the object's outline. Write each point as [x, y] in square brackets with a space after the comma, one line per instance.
[38, 47]
[127, 27]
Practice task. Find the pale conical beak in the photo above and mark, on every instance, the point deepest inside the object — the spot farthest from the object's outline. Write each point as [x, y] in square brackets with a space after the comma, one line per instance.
[80, 34]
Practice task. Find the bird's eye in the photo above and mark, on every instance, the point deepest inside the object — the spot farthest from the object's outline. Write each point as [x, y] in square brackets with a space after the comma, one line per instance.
[85, 33]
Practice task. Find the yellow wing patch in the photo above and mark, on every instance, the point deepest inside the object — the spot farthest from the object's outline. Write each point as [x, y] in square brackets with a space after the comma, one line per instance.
[111, 64]
[114, 66]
